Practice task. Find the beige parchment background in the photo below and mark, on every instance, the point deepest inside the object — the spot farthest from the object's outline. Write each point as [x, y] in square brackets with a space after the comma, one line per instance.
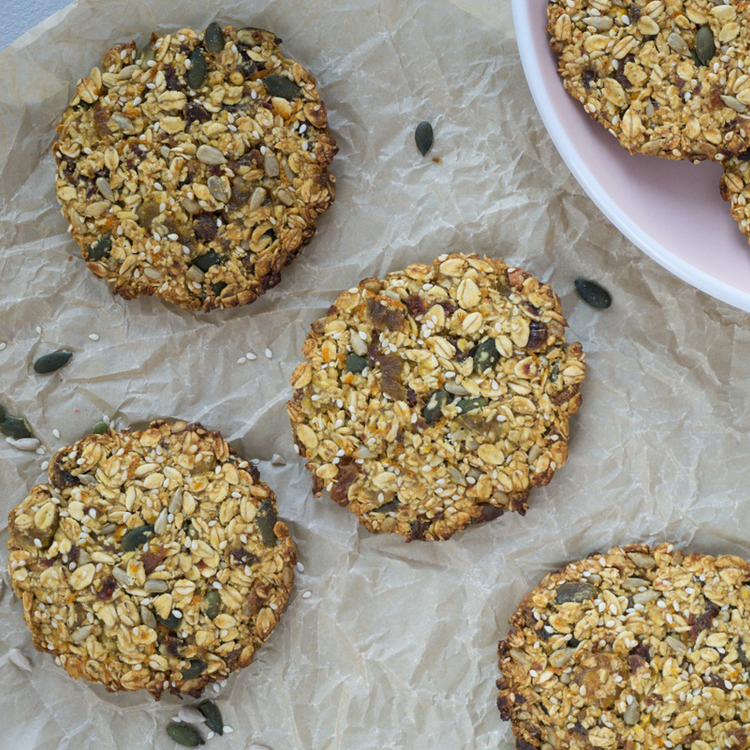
[396, 646]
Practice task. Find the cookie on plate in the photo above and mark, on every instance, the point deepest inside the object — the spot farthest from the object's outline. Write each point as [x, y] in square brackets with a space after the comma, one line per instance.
[151, 560]
[195, 169]
[665, 77]
[735, 188]
[437, 397]
[635, 648]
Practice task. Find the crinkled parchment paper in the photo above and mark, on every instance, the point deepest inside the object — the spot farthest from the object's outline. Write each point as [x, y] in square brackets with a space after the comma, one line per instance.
[396, 645]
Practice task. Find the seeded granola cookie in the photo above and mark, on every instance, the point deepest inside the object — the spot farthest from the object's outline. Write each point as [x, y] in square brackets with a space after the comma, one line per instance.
[634, 649]
[196, 169]
[665, 77]
[438, 396]
[152, 560]
[735, 188]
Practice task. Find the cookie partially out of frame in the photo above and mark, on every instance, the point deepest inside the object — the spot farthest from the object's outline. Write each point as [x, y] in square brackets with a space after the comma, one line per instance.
[437, 397]
[735, 189]
[151, 559]
[196, 168]
[635, 648]
[665, 77]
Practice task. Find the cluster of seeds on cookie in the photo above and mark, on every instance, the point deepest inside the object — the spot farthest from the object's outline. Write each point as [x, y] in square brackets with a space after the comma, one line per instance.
[195, 169]
[437, 397]
[637, 648]
[151, 559]
[666, 77]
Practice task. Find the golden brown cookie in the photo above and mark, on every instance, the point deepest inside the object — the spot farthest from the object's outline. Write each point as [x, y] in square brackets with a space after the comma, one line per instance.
[438, 396]
[195, 169]
[151, 560]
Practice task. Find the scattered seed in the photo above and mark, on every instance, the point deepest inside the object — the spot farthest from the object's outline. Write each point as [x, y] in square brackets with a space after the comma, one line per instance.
[574, 592]
[25, 444]
[281, 86]
[56, 433]
[300, 567]
[266, 519]
[196, 74]
[2, 346]
[433, 409]
[99, 428]
[355, 363]
[213, 716]
[19, 659]
[195, 669]
[307, 594]
[94, 336]
[424, 136]
[185, 735]
[213, 39]
[190, 715]
[100, 249]
[593, 294]
[51, 362]
[705, 46]
[15, 427]
[269, 354]
[136, 537]
[213, 604]
[277, 460]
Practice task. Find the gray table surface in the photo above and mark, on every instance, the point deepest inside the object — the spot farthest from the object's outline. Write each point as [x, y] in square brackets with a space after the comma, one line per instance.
[22, 15]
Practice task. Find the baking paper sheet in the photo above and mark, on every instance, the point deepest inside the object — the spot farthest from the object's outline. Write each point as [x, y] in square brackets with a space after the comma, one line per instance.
[395, 648]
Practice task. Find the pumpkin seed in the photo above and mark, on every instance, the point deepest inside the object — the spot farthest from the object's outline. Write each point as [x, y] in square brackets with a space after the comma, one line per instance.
[210, 155]
[205, 261]
[266, 518]
[486, 356]
[424, 136]
[213, 604]
[213, 716]
[184, 735]
[136, 537]
[51, 362]
[2, 414]
[149, 54]
[15, 427]
[355, 363]
[433, 409]
[100, 249]
[593, 294]
[213, 39]
[172, 622]
[705, 46]
[196, 74]
[574, 592]
[100, 428]
[387, 507]
[281, 86]
[465, 405]
[196, 668]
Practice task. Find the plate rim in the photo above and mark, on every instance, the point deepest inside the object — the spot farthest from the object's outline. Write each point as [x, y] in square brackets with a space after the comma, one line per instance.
[595, 190]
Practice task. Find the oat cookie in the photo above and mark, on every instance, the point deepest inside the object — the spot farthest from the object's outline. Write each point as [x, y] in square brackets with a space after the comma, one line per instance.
[195, 169]
[735, 188]
[635, 649]
[665, 77]
[151, 560]
[438, 396]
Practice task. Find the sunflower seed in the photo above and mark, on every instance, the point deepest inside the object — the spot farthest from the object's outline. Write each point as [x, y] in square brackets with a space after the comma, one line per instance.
[266, 520]
[676, 644]
[15, 427]
[644, 597]
[271, 165]
[99, 428]
[196, 74]
[705, 46]
[257, 198]
[81, 634]
[51, 362]
[593, 294]
[210, 155]
[733, 103]
[216, 188]
[424, 136]
[277, 460]
[124, 123]
[103, 186]
[678, 44]
[433, 409]
[196, 668]
[642, 560]
[160, 524]
[185, 735]
[561, 658]
[25, 444]
[355, 363]
[213, 604]
[486, 356]
[136, 537]
[574, 592]
[121, 576]
[19, 659]
[100, 249]
[282, 87]
[156, 586]
[213, 39]
[455, 388]
[147, 617]
[175, 503]
[191, 715]
[213, 716]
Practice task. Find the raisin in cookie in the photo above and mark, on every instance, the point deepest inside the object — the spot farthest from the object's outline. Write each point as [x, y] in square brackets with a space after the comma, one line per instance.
[196, 169]
[151, 560]
[665, 77]
[438, 396]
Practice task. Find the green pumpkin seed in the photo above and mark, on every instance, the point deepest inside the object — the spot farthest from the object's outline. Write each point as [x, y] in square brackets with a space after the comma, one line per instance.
[574, 592]
[213, 716]
[99, 428]
[436, 402]
[100, 249]
[171, 622]
[355, 363]
[424, 136]
[2, 414]
[184, 735]
[281, 86]
[387, 507]
[136, 537]
[52, 362]
[213, 604]
[213, 39]
[149, 54]
[266, 519]
[16, 428]
[195, 669]
[705, 46]
[196, 75]
[205, 261]
[465, 405]
[593, 294]
[486, 356]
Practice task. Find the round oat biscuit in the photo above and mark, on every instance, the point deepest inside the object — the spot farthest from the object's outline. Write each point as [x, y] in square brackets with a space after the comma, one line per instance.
[151, 560]
[438, 396]
[735, 188]
[665, 77]
[638, 648]
[195, 169]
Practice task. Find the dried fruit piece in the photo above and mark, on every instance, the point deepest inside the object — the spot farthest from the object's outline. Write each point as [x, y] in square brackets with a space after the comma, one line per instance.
[424, 137]
[281, 86]
[593, 294]
[213, 716]
[52, 362]
[136, 537]
[184, 735]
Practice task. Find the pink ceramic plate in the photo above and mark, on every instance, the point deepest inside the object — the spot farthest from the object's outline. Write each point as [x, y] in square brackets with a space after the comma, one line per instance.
[671, 210]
